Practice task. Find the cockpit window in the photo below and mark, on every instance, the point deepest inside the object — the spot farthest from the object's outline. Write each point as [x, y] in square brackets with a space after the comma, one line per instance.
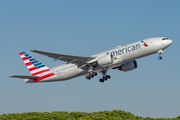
[164, 38]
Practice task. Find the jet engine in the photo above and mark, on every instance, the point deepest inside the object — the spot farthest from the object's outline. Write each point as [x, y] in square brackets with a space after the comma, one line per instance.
[128, 66]
[104, 60]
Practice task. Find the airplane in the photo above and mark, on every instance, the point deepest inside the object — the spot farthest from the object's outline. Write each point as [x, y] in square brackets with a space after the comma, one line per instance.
[122, 58]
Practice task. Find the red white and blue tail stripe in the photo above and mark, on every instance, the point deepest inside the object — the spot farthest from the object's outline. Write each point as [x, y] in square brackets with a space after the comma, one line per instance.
[35, 67]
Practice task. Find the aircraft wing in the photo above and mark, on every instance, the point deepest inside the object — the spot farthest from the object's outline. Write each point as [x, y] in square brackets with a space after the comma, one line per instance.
[78, 60]
[24, 76]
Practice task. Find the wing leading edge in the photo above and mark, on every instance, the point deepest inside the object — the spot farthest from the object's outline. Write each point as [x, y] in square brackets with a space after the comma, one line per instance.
[78, 60]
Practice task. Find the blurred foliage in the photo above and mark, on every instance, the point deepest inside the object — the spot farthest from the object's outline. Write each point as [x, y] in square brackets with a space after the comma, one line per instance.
[56, 115]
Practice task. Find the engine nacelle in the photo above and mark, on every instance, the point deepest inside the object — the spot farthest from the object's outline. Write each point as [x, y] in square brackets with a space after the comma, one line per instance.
[131, 65]
[105, 60]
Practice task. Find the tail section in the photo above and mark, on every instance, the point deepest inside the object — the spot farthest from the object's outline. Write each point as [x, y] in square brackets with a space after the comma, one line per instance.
[35, 67]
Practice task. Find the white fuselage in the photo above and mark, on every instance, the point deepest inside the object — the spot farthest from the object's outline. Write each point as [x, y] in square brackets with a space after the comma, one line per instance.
[121, 55]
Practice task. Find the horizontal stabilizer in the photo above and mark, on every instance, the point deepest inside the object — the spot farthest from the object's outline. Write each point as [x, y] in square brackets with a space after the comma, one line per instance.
[24, 76]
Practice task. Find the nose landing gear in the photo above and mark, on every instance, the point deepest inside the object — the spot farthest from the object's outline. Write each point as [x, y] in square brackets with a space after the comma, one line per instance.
[160, 57]
[160, 53]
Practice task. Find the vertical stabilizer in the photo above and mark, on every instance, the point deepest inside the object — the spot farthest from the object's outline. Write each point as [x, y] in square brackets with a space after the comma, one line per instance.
[35, 67]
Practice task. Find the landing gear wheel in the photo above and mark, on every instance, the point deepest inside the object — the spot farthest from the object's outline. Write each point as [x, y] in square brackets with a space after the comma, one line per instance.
[91, 76]
[104, 78]
[87, 77]
[160, 58]
[94, 73]
[101, 80]
[108, 76]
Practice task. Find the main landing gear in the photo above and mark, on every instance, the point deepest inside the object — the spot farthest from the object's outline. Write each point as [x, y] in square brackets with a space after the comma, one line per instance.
[91, 75]
[105, 77]
[160, 53]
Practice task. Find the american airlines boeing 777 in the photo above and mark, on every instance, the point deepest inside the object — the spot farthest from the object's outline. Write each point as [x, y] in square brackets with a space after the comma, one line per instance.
[121, 58]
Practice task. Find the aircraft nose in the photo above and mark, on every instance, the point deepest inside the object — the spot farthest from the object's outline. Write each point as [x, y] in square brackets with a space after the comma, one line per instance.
[167, 42]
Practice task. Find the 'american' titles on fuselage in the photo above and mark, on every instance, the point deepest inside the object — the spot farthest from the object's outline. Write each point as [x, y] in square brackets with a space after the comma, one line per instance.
[125, 50]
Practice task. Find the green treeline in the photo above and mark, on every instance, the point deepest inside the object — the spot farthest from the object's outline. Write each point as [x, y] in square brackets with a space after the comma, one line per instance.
[102, 115]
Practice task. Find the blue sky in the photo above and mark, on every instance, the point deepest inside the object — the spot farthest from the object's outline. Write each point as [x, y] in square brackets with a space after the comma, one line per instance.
[85, 28]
